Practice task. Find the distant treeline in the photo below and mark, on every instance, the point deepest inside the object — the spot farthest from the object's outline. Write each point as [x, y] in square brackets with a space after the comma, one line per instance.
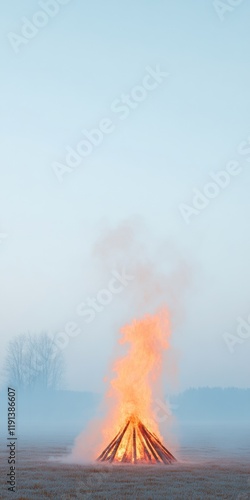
[60, 411]
[212, 404]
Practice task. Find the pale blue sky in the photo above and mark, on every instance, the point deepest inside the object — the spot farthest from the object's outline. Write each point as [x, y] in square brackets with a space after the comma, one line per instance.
[64, 80]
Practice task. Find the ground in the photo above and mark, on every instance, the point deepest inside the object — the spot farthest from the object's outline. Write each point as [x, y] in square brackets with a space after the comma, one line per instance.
[41, 474]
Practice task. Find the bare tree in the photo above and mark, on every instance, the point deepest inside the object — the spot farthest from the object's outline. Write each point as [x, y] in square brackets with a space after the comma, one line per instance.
[15, 360]
[32, 362]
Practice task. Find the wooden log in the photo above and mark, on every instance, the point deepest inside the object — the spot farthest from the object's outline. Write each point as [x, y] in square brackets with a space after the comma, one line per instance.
[118, 441]
[156, 444]
[134, 445]
[149, 445]
[162, 454]
[125, 457]
[144, 446]
[171, 457]
[108, 448]
[161, 450]
[154, 437]
[161, 444]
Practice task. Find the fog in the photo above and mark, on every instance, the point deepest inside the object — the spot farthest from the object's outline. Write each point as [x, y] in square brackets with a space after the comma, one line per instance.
[195, 122]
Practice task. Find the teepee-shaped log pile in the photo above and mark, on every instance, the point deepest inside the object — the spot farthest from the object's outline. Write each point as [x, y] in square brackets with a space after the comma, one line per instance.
[136, 444]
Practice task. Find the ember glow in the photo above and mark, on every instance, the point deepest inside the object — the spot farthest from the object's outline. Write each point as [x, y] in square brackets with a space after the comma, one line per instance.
[131, 429]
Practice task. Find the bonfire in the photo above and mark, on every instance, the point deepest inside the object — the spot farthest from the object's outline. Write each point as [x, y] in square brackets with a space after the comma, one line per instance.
[136, 444]
[138, 438]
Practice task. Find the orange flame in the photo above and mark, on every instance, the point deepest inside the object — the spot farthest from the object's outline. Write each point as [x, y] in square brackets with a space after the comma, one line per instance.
[136, 384]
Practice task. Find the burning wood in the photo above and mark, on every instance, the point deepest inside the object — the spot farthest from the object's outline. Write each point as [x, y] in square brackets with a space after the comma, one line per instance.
[136, 444]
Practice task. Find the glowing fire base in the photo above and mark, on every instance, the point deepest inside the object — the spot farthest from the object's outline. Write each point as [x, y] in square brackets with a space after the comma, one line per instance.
[136, 444]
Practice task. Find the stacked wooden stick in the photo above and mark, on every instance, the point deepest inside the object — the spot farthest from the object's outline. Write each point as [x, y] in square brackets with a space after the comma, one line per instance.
[134, 443]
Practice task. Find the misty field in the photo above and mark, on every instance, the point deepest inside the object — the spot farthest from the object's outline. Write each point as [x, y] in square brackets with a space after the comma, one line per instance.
[41, 474]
